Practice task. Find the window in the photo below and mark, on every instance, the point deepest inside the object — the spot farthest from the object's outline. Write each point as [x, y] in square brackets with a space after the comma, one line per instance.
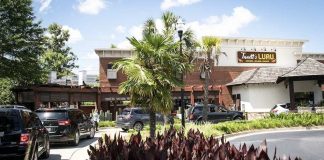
[111, 73]
[212, 109]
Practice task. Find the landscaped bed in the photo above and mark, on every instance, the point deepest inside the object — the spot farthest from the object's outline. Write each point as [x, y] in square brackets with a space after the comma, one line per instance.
[280, 121]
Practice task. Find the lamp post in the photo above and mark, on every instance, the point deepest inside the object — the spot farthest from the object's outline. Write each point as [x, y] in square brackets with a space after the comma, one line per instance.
[180, 25]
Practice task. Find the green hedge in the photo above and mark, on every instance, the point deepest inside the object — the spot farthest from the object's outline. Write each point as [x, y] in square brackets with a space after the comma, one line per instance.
[107, 124]
[280, 121]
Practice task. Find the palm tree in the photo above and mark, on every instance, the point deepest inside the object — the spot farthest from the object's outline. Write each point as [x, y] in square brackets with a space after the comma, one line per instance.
[151, 74]
[211, 48]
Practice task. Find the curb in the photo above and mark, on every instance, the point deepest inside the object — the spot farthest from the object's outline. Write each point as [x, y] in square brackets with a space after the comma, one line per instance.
[232, 136]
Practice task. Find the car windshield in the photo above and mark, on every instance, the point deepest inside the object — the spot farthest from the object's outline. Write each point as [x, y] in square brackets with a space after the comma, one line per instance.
[126, 112]
[9, 121]
[197, 109]
[55, 114]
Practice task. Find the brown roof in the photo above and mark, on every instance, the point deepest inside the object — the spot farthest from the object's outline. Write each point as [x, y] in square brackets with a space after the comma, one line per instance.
[307, 67]
[259, 75]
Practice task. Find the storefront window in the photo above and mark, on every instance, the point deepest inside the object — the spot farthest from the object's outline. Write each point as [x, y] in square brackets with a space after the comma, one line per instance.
[304, 98]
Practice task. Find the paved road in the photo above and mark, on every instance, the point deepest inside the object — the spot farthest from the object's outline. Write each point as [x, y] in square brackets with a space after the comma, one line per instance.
[66, 152]
[305, 144]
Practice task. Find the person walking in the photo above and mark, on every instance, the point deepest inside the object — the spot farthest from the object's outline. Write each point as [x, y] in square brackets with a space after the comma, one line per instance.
[96, 118]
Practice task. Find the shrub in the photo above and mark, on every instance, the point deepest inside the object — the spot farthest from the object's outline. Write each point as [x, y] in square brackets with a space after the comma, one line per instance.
[174, 145]
[107, 124]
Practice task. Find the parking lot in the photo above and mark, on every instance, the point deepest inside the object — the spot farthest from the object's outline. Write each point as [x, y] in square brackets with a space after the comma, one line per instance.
[67, 152]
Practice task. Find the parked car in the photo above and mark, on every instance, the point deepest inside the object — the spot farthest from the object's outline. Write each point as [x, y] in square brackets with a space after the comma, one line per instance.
[22, 135]
[66, 124]
[215, 114]
[135, 118]
[279, 108]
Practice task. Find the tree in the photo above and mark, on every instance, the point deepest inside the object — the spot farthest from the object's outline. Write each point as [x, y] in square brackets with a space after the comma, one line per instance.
[58, 56]
[152, 71]
[22, 42]
[211, 48]
[6, 96]
[113, 46]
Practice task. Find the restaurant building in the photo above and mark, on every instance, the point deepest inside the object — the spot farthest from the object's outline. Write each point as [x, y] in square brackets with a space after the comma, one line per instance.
[254, 75]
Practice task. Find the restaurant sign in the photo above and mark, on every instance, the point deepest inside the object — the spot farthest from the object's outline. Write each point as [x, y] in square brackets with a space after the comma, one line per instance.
[256, 57]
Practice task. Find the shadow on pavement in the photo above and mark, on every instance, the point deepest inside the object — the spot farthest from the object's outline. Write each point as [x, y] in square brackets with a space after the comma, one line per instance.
[83, 143]
[54, 157]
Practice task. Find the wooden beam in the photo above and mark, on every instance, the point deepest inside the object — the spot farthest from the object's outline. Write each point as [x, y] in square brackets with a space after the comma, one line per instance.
[292, 94]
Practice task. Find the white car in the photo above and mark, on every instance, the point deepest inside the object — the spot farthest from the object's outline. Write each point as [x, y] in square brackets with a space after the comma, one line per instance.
[279, 108]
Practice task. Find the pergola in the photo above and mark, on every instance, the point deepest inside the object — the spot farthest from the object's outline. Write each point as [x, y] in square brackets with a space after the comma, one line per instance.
[307, 69]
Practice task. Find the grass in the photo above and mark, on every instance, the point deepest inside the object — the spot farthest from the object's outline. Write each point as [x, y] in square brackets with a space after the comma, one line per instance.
[280, 121]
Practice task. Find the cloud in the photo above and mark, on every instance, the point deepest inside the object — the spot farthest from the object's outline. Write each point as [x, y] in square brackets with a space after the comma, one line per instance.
[166, 4]
[75, 34]
[44, 4]
[112, 36]
[223, 25]
[124, 45]
[89, 56]
[91, 7]
[120, 29]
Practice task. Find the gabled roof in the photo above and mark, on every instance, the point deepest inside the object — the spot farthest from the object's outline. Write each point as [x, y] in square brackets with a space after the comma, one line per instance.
[307, 67]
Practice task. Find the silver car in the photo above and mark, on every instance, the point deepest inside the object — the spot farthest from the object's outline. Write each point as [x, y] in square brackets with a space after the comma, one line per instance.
[135, 118]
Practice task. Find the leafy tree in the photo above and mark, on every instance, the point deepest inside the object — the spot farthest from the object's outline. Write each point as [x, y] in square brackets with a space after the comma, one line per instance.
[211, 48]
[58, 56]
[113, 46]
[22, 42]
[6, 96]
[152, 71]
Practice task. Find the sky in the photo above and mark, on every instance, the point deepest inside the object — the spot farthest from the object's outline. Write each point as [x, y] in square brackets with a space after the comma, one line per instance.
[99, 23]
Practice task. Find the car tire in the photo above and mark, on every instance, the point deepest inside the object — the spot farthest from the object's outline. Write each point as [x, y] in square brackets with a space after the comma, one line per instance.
[238, 118]
[125, 129]
[46, 154]
[138, 126]
[76, 138]
[199, 121]
[92, 133]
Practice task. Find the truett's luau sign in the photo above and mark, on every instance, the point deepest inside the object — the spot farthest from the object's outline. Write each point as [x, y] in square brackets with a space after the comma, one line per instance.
[256, 57]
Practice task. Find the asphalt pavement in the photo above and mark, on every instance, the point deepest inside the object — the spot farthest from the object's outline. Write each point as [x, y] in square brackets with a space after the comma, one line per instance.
[306, 144]
[68, 152]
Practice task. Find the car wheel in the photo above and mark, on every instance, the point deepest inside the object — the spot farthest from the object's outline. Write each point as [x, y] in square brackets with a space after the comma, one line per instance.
[125, 129]
[199, 121]
[138, 126]
[76, 139]
[92, 133]
[237, 118]
[46, 154]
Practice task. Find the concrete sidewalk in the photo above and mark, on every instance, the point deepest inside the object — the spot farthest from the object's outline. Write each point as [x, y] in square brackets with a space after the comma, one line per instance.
[82, 154]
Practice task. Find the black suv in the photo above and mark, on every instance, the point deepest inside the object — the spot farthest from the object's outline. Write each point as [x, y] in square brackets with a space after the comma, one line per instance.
[215, 114]
[22, 135]
[66, 124]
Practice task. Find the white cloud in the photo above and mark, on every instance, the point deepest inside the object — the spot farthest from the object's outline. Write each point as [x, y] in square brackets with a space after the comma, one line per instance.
[92, 7]
[112, 36]
[166, 4]
[89, 56]
[44, 4]
[120, 29]
[136, 31]
[75, 34]
[223, 25]
[124, 45]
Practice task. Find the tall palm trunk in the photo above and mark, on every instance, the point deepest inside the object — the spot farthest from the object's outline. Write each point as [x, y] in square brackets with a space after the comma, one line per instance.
[207, 66]
[152, 123]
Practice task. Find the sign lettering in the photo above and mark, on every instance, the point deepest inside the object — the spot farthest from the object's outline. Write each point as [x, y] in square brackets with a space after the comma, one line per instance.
[256, 57]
